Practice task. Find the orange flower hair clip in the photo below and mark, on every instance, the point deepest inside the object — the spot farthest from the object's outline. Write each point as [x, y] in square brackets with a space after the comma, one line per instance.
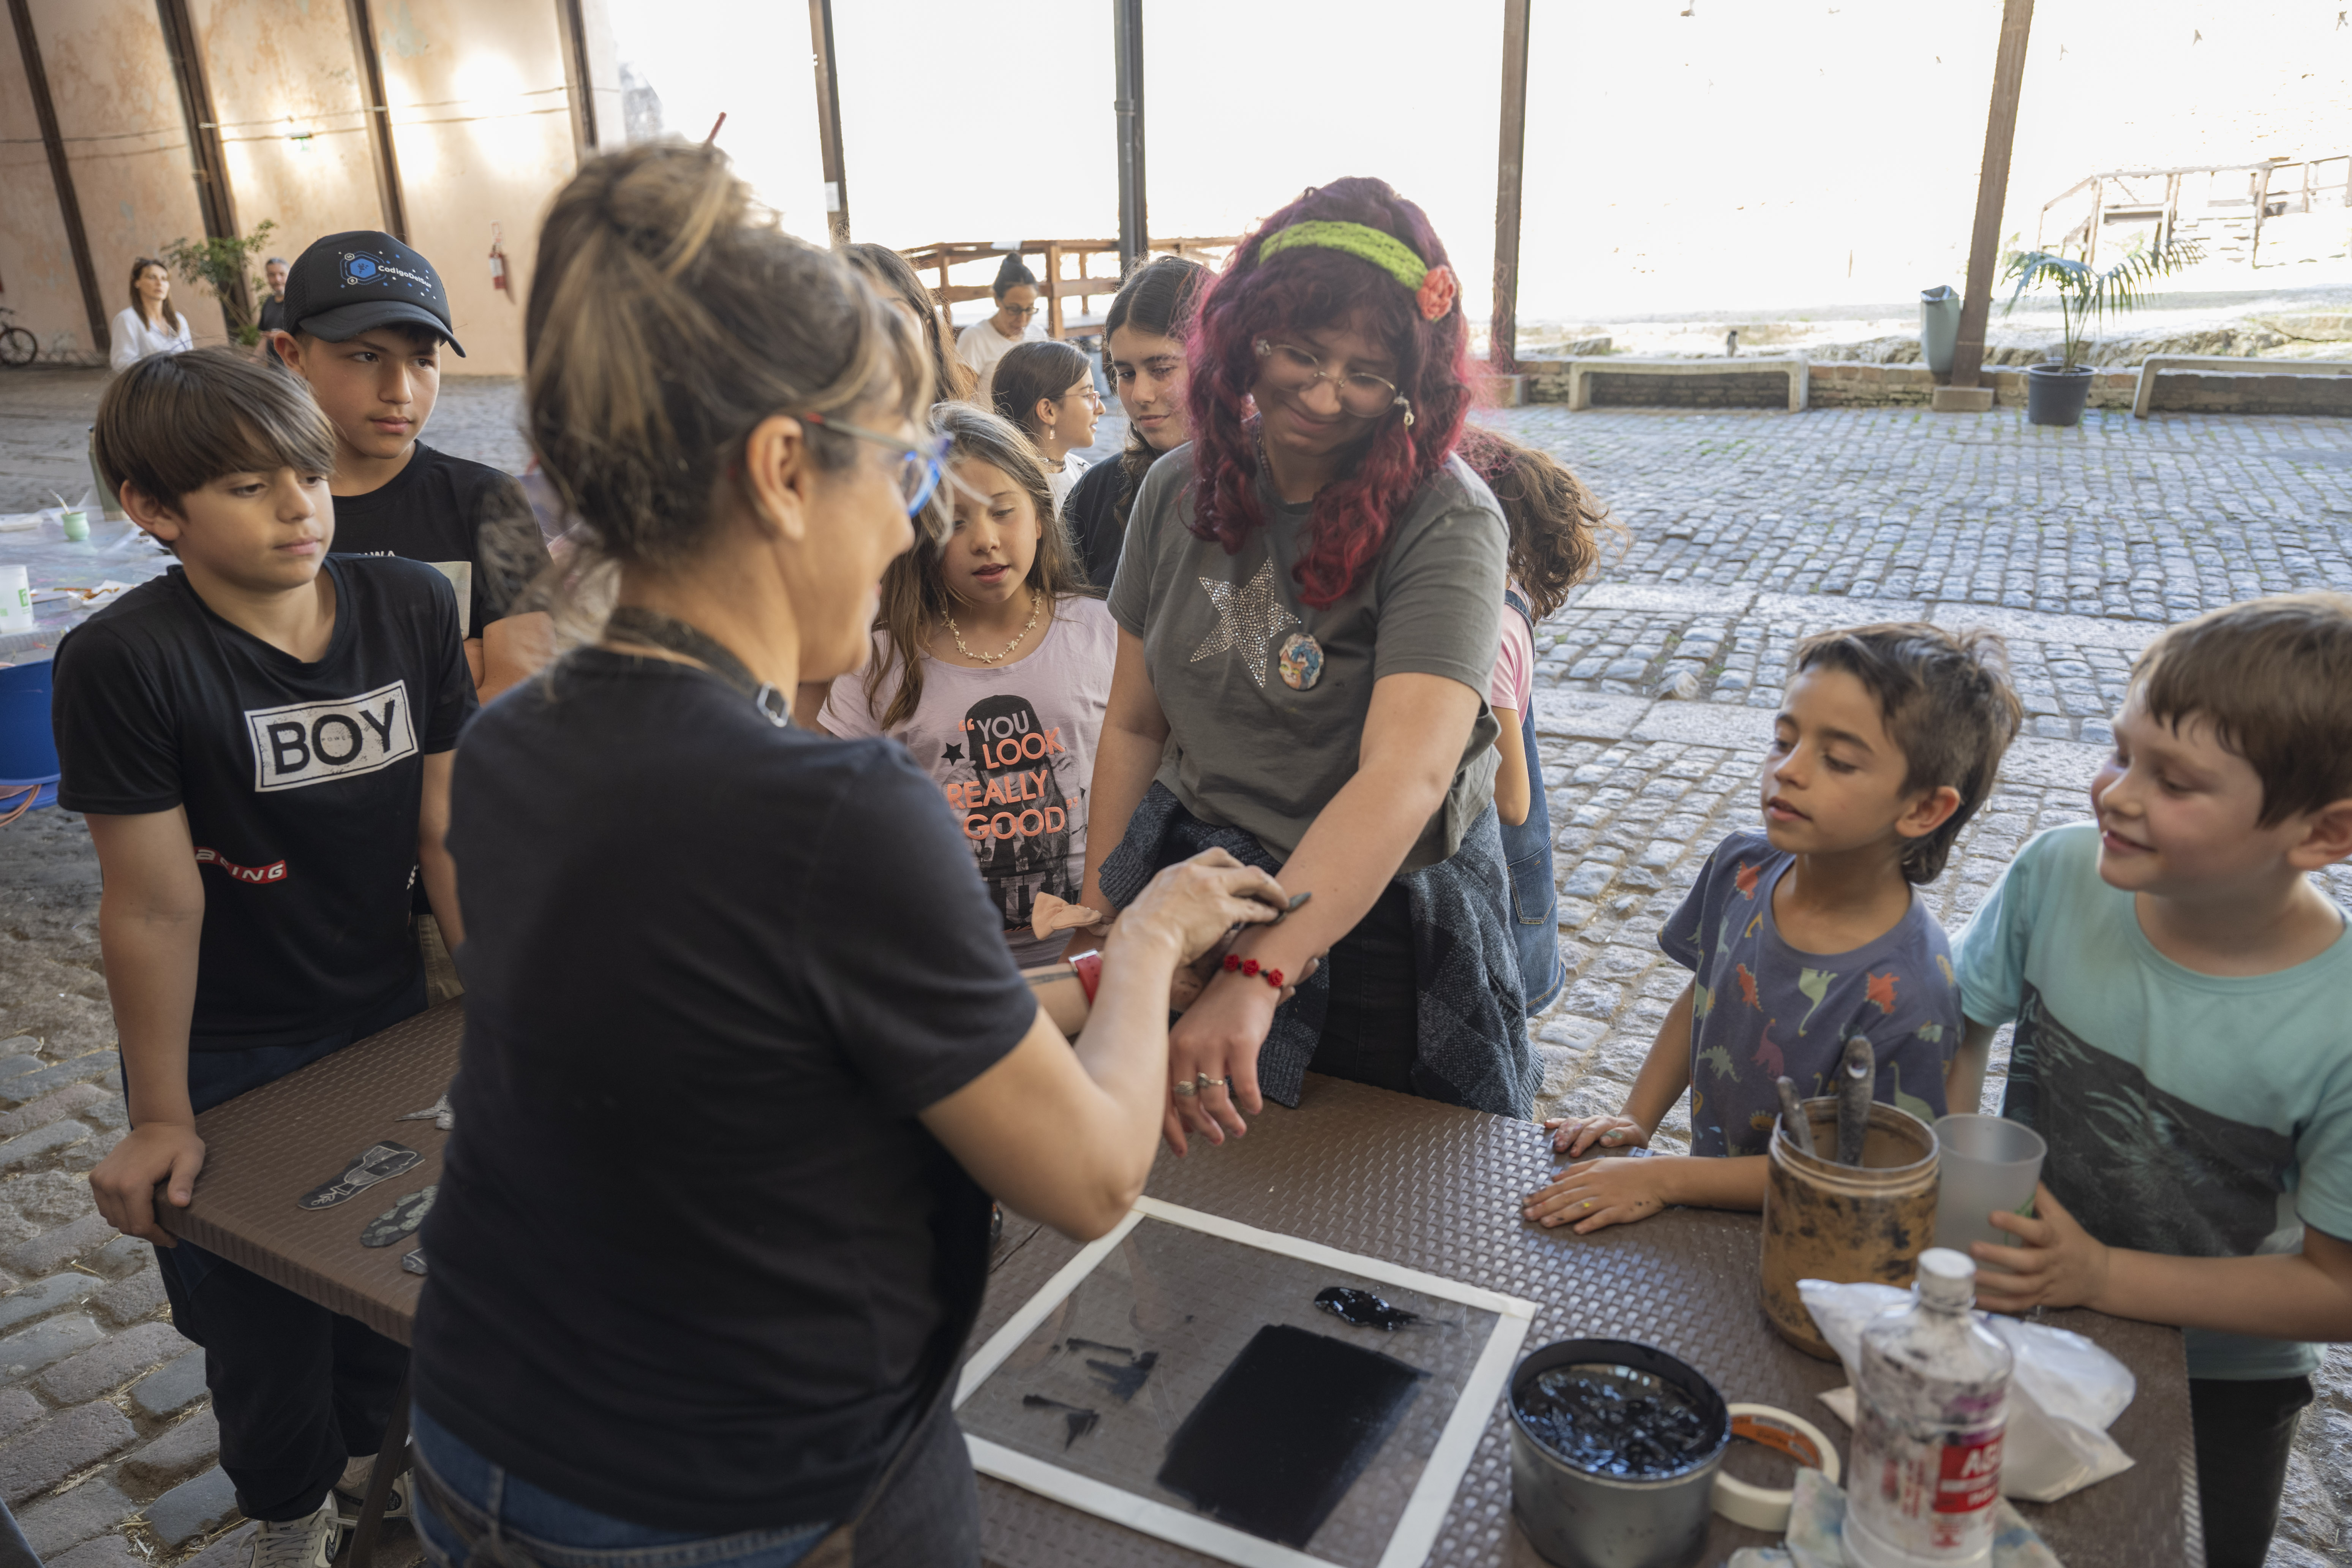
[1436, 293]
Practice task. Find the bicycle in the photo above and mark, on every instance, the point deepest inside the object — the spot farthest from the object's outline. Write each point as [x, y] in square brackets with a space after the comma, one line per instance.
[18, 347]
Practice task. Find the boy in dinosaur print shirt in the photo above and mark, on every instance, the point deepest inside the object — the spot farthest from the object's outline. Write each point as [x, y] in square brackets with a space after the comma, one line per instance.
[1808, 933]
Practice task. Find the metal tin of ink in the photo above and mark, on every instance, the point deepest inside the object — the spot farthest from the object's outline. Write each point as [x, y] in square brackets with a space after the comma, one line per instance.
[1581, 1517]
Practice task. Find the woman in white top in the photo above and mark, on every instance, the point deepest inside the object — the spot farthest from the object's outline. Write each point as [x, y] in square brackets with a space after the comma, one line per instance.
[983, 343]
[149, 325]
[1047, 389]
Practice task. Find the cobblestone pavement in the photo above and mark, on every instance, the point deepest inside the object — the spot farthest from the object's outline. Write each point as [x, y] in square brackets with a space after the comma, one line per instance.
[1748, 530]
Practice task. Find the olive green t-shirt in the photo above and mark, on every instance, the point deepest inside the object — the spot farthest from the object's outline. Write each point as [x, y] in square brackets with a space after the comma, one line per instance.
[1265, 695]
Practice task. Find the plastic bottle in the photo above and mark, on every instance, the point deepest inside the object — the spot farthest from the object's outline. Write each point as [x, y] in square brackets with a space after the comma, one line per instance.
[1932, 1399]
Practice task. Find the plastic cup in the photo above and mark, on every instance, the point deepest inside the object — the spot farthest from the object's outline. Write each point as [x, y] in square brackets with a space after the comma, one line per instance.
[15, 599]
[1988, 1163]
[77, 526]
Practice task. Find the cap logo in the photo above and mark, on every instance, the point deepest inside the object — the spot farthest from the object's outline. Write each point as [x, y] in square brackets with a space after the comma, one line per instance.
[364, 270]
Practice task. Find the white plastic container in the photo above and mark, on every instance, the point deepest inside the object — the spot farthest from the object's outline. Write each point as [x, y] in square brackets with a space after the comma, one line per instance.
[15, 599]
[1932, 1402]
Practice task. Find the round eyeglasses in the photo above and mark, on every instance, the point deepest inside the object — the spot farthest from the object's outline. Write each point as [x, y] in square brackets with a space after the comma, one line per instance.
[1364, 395]
[920, 470]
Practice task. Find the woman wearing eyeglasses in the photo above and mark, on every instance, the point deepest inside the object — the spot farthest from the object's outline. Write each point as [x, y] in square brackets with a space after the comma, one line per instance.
[745, 1055]
[983, 343]
[1048, 390]
[1309, 605]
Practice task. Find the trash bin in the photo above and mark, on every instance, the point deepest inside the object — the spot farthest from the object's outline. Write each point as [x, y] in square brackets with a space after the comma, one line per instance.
[1940, 327]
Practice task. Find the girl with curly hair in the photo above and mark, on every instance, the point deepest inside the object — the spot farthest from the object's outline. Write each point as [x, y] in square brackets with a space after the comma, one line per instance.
[1308, 600]
[1552, 517]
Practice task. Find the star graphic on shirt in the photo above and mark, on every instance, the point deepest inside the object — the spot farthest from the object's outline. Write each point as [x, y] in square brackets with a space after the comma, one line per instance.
[955, 753]
[1247, 618]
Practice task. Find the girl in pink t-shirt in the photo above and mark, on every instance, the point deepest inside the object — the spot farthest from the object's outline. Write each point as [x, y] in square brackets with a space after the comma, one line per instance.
[991, 665]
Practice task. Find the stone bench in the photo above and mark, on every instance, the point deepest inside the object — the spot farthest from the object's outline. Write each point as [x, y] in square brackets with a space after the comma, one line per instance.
[1582, 368]
[2211, 364]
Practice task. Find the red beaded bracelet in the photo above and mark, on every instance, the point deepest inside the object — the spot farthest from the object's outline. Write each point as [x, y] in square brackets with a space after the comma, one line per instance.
[1235, 964]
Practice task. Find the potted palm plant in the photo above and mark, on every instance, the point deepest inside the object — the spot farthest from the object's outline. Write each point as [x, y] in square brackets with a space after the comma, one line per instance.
[2055, 394]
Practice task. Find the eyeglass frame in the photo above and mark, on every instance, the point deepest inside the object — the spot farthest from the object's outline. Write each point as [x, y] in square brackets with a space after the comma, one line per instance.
[933, 454]
[1022, 310]
[1088, 392]
[1265, 347]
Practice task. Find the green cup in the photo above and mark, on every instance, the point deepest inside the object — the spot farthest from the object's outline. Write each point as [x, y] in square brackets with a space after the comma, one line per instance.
[77, 526]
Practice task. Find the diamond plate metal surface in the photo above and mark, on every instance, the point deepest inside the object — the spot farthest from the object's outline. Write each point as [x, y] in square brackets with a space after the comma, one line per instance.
[1437, 1188]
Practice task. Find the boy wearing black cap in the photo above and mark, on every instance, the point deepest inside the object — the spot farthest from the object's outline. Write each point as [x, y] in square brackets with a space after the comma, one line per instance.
[367, 317]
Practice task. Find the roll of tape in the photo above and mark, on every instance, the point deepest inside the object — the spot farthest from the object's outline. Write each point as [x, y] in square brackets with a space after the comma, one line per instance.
[1766, 1508]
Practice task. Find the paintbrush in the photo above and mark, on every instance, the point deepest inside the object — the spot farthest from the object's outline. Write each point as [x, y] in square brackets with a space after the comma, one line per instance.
[1857, 1075]
[1794, 1123]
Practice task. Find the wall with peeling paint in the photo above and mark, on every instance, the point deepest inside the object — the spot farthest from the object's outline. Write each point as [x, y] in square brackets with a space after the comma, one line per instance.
[286, 85]
[37, 269]
[484, 129]
[481, 125]
[126, 143]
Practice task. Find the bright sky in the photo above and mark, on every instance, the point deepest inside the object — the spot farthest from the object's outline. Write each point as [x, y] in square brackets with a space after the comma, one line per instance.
[1681, 154]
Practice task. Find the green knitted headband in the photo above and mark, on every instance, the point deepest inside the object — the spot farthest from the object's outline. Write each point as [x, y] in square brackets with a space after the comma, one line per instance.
[1385, 251]
[1433, 288]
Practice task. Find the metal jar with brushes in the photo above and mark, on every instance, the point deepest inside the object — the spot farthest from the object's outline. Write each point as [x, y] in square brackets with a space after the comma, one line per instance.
[1843, 1222]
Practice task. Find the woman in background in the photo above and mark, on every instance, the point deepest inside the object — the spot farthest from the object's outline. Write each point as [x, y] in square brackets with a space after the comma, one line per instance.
[148, 325]
[1048, 390]
[1143, 343]
[983, 343]
[952, 379]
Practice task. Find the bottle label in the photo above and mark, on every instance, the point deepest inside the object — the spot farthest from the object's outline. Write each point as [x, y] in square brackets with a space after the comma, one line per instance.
[1970, 1478]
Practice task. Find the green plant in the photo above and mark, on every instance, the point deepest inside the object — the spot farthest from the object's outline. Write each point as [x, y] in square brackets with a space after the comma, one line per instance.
[222, 269]
[2085, 297]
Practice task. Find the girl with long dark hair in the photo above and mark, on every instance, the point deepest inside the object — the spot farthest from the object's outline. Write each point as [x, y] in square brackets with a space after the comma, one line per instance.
[1143, 351]
[150, 323]
[991, 664]
[1048, 390]
[1308, 603]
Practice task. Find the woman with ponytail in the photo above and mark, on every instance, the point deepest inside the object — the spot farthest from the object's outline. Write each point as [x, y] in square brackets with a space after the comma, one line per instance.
[745, 1053]
[983, 343]
[1308, 602]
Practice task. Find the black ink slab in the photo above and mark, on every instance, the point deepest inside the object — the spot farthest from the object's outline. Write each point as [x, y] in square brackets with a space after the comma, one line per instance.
[1286, 1431]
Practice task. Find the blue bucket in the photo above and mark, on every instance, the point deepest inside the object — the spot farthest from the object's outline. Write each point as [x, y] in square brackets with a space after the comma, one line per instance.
[28, 755]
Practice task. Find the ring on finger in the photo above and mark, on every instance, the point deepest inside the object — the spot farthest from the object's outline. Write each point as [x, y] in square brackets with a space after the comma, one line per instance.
[1185, 1090]
[1207, 1083]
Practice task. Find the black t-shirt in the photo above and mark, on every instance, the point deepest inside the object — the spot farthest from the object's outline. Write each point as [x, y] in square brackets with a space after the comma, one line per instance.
[694, 1255]
[272, 316]
[445, 510]
[301, 782]
[1091, 513]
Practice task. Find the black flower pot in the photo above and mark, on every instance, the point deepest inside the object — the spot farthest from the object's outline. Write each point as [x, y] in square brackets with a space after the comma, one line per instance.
[2055, 395]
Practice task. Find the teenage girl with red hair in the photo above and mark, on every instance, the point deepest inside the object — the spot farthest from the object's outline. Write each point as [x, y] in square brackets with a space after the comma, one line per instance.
[1308, 602]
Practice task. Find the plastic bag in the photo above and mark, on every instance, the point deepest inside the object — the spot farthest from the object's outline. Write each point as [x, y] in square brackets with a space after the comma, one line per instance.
[2064, 1394]
[1816, 1536]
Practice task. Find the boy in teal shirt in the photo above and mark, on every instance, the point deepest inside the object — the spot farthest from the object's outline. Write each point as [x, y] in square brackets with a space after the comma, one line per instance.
[2180, 989]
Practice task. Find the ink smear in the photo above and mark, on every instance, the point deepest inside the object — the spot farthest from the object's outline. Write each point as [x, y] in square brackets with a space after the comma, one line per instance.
[1079, 1420]
[1124, 1381]
[1363, 1308]
[1615, 1421]
[1286, 1431]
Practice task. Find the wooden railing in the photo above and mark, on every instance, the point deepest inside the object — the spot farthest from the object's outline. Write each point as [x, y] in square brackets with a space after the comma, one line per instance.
[1053, 285]
[2172, 197]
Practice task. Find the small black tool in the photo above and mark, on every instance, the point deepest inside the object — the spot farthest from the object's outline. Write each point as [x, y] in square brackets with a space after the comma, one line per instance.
[1857, 1074]
[1794, 1123]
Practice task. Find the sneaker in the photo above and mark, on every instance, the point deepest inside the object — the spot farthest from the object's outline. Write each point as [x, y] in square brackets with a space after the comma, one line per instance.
[351, 1489]
[308, 1543]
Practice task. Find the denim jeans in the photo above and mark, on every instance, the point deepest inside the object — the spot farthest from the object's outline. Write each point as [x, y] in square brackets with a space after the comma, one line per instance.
[507, 1520]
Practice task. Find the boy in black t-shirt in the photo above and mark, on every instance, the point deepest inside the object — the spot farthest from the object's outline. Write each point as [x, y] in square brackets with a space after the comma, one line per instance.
[262, 740]
[367, 318]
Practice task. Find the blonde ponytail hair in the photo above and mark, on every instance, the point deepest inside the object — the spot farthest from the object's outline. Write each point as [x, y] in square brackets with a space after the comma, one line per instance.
[668, 317]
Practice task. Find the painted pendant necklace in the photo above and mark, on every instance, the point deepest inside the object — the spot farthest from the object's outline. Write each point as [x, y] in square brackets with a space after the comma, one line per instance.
[1036, 608]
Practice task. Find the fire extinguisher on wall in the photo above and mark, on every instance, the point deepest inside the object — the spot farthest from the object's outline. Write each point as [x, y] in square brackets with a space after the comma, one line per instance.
[499, 262]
